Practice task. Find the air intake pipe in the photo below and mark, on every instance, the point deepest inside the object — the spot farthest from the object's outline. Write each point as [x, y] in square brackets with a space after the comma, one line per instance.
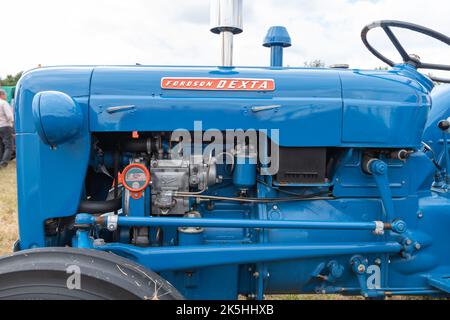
[277, 39]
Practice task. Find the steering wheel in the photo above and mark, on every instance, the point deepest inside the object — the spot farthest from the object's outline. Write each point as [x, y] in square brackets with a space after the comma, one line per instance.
[407, 58]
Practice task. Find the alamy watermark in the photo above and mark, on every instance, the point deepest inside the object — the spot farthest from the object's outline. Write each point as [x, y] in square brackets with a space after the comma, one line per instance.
[251, 146]
[73, 281]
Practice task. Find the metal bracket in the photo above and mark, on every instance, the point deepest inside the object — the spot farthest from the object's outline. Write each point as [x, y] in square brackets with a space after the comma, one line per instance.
[111, 222]
[379, 170]
[379, 228]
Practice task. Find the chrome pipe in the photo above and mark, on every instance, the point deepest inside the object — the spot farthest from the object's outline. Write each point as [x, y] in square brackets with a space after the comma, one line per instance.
[227, 48]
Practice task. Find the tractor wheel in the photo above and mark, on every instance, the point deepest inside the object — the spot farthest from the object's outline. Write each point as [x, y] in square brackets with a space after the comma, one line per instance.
[68, 273]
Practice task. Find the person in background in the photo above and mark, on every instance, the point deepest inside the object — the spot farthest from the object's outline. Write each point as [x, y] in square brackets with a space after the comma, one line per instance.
[6, 129]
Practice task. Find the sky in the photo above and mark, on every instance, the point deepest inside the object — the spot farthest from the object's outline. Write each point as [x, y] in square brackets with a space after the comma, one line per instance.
[176, 32]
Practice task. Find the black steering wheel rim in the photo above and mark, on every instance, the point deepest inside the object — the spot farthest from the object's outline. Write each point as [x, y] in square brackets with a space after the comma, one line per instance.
[407, 58]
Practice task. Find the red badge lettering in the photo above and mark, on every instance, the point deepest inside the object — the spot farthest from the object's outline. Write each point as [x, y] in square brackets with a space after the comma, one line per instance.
[216, 84]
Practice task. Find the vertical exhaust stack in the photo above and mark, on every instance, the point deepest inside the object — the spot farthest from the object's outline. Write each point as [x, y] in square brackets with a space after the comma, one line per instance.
[226, 20]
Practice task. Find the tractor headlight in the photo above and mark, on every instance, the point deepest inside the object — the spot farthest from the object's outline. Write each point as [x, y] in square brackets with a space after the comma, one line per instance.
[57, 117]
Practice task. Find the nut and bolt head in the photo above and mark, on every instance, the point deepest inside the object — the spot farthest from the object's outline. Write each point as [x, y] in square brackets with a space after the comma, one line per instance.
[378, 261]
[420, 215]
[379, 167]
[256, 274]
[361, 268]
[399, 226]
[408, 242]
[418, 246]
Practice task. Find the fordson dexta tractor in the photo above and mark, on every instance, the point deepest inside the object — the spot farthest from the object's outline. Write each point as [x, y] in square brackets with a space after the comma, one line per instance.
[164, 182]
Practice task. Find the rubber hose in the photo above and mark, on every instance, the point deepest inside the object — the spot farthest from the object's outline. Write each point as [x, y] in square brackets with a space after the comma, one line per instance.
[138, 145]
[94, 207]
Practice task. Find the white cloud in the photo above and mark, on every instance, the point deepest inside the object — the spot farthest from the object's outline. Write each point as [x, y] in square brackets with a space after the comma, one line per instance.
[55, 32]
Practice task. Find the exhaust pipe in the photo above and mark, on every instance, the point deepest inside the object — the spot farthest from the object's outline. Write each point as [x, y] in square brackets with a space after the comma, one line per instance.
[226, 20]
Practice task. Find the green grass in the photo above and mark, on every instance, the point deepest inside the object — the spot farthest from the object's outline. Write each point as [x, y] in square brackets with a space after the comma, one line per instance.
[8, 208]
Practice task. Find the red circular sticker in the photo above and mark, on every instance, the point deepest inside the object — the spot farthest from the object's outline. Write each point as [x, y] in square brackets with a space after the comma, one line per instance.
[136, 177]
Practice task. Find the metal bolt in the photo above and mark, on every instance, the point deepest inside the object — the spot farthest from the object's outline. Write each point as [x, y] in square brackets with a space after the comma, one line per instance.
[99, 242]
[378, 261]
[420, 215]
[256, 274]
[361, 268]
[275, 207]
[378, 167]
[399, 226]
[418, 246]
[408, 242]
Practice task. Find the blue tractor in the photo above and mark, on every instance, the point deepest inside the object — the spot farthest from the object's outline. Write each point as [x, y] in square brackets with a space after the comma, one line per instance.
[164, 182]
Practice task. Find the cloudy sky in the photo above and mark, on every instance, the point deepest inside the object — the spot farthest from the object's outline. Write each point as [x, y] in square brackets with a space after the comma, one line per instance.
[80, 32]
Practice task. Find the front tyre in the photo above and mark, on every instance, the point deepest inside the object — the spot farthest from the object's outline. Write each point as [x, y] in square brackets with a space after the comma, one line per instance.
[68, 274]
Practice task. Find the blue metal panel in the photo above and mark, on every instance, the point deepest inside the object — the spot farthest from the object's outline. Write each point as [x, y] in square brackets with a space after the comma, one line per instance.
[351, 181]
[441, 282]
[396, 120]
[50, 180]
[41, 169]
[313, 98]
[73, 81]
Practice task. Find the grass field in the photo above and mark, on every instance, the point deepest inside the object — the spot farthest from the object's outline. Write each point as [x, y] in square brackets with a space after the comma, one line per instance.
[8, 208]
[8, 227]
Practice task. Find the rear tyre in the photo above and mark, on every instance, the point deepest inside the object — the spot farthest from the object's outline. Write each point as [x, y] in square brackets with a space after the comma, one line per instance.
[79, 274]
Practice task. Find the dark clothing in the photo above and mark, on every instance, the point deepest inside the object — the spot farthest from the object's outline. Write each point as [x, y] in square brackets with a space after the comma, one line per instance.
[6, 137]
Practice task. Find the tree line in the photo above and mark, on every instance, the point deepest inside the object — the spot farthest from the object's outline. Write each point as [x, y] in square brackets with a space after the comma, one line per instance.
[10, 80]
